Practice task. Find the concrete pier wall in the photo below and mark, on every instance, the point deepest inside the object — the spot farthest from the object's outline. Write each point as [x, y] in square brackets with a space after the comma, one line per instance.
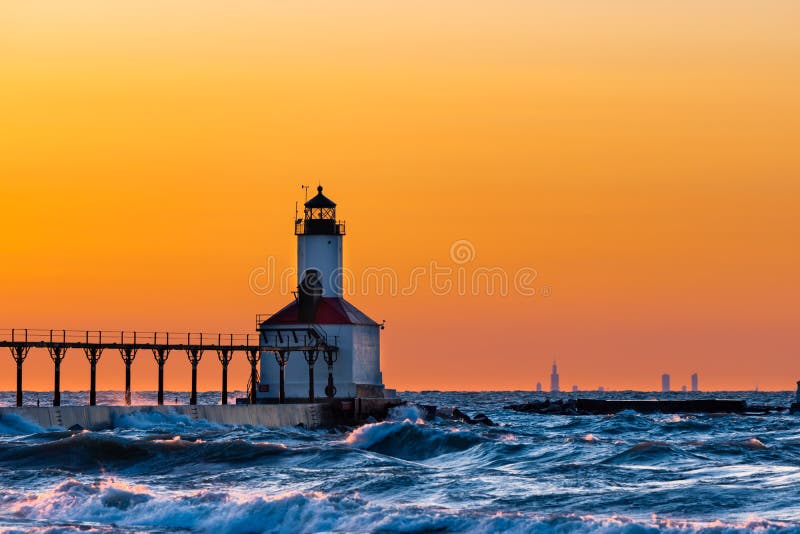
[106, 417]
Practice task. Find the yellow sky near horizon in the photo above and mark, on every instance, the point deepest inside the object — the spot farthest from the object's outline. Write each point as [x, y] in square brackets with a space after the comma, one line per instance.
[642, 157]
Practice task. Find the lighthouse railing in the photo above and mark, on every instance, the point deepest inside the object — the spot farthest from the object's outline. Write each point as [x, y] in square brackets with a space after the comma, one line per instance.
[324, 226]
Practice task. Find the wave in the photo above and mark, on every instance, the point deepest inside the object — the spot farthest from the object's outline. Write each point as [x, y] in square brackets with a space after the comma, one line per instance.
[677, 423]
[12, 424]
[625, 422]
[88, 451]
[733, 447]
[410, 441]
[76, 506]
[753, 444]
[405, 412]
[153, 421]
[650, 453]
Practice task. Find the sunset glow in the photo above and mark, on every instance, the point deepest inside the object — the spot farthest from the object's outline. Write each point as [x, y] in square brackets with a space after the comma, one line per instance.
[641, 157]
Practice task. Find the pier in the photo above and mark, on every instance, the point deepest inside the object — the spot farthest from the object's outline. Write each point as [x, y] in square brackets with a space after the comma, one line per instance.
[311, 341]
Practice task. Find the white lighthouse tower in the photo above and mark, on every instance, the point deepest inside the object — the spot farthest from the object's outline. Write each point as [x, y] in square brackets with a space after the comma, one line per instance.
[320, 308]
[319, 244]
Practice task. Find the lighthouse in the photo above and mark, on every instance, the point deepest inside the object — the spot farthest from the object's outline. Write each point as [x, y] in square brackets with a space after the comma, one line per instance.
[320, 314]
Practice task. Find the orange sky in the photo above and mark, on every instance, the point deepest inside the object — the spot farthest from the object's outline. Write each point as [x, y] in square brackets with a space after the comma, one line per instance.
[641, 156]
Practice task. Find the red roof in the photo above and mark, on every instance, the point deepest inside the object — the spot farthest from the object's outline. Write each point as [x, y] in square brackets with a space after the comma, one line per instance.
[330, 310]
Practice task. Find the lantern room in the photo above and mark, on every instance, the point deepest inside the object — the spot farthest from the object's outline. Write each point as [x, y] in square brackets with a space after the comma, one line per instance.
[319, 217]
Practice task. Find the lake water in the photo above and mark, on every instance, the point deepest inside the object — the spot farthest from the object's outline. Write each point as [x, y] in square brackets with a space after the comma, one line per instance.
[531, 473]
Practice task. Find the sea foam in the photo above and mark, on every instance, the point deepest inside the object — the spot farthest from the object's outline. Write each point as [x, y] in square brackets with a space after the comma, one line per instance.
[76, 505]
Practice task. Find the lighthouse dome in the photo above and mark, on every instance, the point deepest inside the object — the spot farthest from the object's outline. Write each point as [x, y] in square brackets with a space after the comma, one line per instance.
[320, 201]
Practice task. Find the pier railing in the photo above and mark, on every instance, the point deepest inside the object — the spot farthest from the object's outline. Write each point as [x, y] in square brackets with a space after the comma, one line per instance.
[124, 338]
[309, 340]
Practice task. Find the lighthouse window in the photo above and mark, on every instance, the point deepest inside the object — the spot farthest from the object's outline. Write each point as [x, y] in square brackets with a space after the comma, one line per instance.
[320, 213]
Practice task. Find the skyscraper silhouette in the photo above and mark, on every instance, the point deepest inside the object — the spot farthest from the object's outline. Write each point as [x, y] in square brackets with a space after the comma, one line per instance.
[554, 379]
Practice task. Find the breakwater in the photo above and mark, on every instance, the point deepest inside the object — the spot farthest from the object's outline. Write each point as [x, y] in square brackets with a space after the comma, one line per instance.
[317, 415]
[583, 406]
[107, 417]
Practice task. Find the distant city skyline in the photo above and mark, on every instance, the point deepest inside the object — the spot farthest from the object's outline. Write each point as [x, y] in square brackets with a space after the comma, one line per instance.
[666, 383]
[694, 386]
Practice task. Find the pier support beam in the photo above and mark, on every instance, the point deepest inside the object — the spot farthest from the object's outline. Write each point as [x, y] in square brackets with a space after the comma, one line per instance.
[311, 357]
[194, 355]
[57, 355]
[253, 356]
[282, 357]
[161, 355]
[330, 358]
[224, 356]
[93, 355]
[19, 353]
[128, 355]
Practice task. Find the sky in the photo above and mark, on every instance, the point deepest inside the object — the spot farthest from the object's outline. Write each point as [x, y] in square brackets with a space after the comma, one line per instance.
[633, 165]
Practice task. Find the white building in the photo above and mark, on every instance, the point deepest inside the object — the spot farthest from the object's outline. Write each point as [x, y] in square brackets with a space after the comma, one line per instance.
[319, 307]
[665, 387]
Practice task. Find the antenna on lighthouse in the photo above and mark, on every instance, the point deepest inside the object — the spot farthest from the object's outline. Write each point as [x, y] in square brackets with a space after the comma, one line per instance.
[305, 188]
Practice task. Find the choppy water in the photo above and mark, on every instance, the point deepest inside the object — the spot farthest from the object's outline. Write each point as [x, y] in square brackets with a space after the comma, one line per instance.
[533, 473]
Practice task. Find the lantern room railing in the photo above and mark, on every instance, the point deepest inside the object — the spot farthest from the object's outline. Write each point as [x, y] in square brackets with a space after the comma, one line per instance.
[319, 226]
